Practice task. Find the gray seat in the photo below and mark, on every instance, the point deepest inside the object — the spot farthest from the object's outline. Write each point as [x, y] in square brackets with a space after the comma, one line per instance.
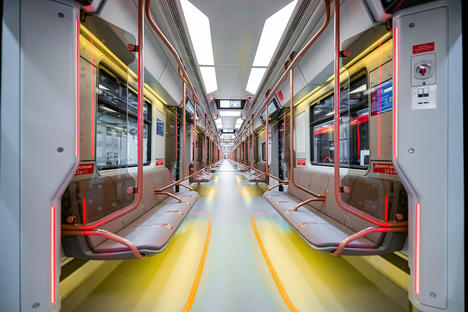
[150, 226]
[324, 225]
[253, 176]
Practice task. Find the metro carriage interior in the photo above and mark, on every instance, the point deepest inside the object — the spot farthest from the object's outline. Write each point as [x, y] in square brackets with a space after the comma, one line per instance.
[217, 155]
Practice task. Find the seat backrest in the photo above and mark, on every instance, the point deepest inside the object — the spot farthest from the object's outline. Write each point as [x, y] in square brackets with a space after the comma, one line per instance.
[376, 196]
[311, 180]
[372, 195]
[101, 195]
[260, 165]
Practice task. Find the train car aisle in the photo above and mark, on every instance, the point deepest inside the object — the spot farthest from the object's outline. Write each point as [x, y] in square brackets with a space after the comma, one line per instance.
[235, 276]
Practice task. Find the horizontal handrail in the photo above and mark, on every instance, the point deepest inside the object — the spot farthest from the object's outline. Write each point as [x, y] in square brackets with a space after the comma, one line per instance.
[156, 192]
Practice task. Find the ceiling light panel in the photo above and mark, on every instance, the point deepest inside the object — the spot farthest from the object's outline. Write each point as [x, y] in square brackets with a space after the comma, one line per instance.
[209, 78]
[271, 34]
[200, 33]
[238, 123]
[255, 77]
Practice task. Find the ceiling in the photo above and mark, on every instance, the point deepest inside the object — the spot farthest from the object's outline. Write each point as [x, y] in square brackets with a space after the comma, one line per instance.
[236, 27]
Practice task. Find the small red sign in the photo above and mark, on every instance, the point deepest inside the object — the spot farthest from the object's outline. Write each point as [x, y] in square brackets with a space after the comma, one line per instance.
[301, 162]
[85, 169]
[159, 162]
[386, 168]
[424, 47]
[280, 95]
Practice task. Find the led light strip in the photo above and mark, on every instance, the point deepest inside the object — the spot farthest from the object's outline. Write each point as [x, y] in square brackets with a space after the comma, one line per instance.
[395, 93]
[77, 86]
[52, 255]
[417, 251]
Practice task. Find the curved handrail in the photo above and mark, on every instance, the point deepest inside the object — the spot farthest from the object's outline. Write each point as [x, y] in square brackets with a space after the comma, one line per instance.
[139, 183]
[336, 140]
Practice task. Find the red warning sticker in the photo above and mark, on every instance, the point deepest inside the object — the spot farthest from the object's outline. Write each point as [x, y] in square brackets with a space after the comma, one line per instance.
[424, 47]
[386, 168]
[159, 162]
[85, 169]
[280, 95]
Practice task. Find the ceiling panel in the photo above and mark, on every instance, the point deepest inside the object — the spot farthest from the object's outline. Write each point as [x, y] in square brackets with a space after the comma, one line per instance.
[236, 27]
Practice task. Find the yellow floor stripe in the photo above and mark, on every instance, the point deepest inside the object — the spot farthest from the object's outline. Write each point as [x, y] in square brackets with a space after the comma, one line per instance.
[278, 283]
[201, 264]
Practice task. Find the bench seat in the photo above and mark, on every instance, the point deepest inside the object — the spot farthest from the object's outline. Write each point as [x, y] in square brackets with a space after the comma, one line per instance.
[149, 227]
[314, 226]
[253, 176]
[324, 225]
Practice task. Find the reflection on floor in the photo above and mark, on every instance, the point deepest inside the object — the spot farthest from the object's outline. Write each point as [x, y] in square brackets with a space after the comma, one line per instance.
[235, 276]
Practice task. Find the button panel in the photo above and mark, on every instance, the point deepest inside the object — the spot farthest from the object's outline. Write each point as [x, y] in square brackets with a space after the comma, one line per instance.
[424, 97]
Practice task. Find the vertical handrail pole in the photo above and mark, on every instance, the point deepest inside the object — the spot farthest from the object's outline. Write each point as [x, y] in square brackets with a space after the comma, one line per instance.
[291, 127]
[267, 169]
[253, 142]
[248, 146]
[184, 151]
[141, 100]
[204, 147]
[336, 139]
[138, 189]
[195, 150]
[177, 134]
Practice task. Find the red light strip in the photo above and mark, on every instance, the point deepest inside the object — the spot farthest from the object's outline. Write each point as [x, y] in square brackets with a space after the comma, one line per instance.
[84, 210]
[395, 92]
[380, 98]
[52, 255]
[386, 208]
[77, 86]
[92, 101]
[358, 142]
[417, 251]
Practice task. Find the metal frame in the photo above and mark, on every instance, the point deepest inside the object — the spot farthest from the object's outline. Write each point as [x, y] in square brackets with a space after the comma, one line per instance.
[91, 228]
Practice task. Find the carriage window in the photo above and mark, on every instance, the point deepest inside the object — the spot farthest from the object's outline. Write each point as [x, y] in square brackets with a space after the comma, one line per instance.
[354, 129]
[116, 130]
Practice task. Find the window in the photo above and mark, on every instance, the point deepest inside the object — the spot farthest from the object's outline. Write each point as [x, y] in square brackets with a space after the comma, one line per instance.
[116, 130]
[354, 126]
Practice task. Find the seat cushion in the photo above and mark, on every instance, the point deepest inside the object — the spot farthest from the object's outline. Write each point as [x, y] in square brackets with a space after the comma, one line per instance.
[151, 237]
[316, 227]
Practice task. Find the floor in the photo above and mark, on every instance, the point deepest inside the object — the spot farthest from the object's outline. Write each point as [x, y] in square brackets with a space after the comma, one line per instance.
[235, 276]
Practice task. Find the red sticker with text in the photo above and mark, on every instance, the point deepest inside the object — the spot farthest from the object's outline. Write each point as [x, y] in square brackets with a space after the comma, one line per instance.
[85, 169]
[159, 162]
[425, 47]
[301, 162]
[386, 168]
[280, 95]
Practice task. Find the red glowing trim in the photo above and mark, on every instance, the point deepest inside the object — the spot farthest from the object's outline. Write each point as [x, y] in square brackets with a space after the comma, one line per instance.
[84, 210]
[380, 99]
[52, 255]
[92, 102]
[77, 90]
[386, 208]
[395, 93]
[417, 251]
[354, 122]
[358, 142]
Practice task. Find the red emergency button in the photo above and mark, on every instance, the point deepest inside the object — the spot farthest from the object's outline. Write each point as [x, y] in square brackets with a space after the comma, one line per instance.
[422, 71]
